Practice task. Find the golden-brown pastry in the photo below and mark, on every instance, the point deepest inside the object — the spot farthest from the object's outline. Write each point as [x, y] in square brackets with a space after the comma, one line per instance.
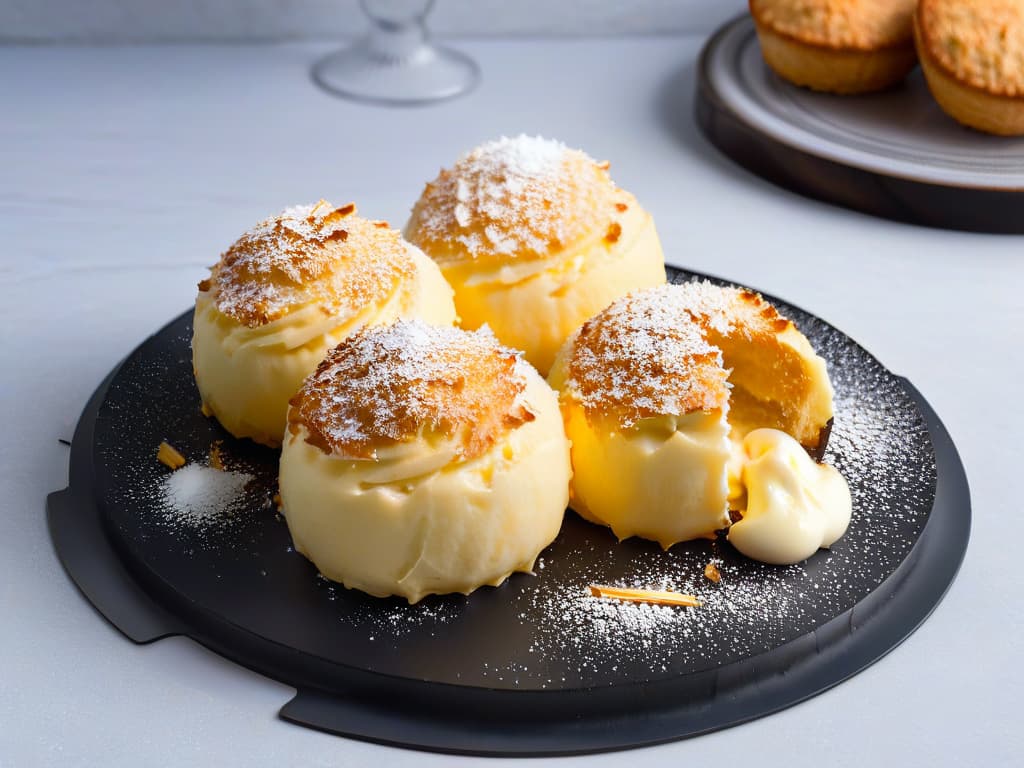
[422, 459]
[839, 46]
[972, 54]
[655, 391]
[286, 292]
[535, 238]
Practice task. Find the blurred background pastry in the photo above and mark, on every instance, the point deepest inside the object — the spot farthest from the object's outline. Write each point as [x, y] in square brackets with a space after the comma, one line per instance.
[286, 292]
[422, 459]
[535, 238]
[972, 54]
[658, 392]
[839, 46]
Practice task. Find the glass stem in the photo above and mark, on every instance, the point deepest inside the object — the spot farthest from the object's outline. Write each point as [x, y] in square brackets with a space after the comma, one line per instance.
[393, 44]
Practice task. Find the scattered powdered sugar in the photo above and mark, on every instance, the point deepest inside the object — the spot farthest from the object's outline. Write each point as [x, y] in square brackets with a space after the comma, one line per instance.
[655, 352]
[282, 244]
[600, 634]
[520, 158]
[714, 305]
[515, 197]
[644, 356]
[202, 497]
[390, 619]
[292, 258]
[386, 384]
[535, 632]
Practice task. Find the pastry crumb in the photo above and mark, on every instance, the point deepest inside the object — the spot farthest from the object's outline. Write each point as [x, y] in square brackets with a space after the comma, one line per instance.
[216, 459]
[711, 573]
[169, 456]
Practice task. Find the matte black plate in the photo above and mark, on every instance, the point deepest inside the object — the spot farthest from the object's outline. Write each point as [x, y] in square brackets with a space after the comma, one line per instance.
[892, 154]
[535, 666]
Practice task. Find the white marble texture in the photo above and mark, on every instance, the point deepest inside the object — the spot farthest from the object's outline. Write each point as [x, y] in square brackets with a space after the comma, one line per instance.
[124, 171]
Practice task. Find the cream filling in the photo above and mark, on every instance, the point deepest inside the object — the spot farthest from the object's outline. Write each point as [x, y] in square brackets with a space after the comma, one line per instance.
[794, 506]
[417, 519]
[247, 375]
[662, 479]
[535, 305]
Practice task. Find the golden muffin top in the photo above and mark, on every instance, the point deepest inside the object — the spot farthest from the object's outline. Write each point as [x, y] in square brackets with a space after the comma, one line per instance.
[387, 385]
[308, 254]
[979, 42]
[655, 352]
[843, 24]
[517, 198]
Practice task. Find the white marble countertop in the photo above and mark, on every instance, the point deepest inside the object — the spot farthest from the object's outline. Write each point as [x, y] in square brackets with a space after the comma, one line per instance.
[125, 171]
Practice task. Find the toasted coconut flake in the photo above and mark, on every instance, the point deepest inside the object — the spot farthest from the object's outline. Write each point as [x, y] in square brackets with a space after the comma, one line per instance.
[167, 455]
[216, 459]
[652, 596]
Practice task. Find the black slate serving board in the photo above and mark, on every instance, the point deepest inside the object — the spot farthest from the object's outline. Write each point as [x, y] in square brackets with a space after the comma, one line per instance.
[535, 666]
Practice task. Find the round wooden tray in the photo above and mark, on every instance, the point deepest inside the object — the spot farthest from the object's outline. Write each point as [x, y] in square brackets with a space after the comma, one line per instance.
[893, 154]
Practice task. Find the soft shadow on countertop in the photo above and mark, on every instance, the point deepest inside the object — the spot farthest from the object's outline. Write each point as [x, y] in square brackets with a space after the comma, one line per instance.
[674, 112]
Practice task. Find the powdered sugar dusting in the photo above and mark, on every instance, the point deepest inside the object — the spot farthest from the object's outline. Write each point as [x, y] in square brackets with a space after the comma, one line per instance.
[716, 306]
[522, 197]
[200, 497]
[645, 356]
[602, 633]
[386, 385]
[308, 253]
[542, 631]
[655, 352]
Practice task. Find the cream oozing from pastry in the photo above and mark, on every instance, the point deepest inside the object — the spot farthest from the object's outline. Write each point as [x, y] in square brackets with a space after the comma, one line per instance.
[794, 506]
[644, 400]
[655, 391]
[662, 479]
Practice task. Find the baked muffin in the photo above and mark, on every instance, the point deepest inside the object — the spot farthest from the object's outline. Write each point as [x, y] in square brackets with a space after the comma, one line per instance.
[422, 460]
[656, 390]
[838, 46]
[535, 238]
[287, 291]
[972, 54]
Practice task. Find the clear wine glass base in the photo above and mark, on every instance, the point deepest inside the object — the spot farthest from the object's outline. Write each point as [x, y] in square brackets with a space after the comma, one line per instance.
[427, 74]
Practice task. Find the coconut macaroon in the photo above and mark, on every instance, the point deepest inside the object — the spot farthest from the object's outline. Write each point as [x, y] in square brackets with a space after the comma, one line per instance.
[535, 238]
[423, 460]
[972, 54]
[286, 292]
[839, 46]
[657, 390]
